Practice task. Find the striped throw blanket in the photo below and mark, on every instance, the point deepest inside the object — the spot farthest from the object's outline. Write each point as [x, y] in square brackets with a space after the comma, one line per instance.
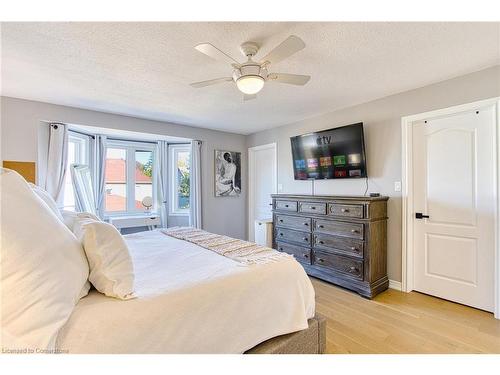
[237, 250]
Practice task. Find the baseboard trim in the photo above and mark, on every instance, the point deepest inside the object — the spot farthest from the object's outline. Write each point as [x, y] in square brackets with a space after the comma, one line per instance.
[396, 285]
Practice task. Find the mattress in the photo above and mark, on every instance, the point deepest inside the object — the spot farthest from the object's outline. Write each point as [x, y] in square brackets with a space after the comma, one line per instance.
[191, 300]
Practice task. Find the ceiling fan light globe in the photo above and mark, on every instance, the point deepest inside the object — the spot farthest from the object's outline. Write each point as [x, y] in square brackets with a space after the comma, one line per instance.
[250, 85]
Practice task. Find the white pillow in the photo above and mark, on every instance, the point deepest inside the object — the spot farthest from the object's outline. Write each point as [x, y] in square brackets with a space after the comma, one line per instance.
[111, 268]
[43, 267]
[69, 217]
[47, 199]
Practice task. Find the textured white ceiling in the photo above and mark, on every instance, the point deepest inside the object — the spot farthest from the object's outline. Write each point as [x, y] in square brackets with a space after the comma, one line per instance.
[144, 69]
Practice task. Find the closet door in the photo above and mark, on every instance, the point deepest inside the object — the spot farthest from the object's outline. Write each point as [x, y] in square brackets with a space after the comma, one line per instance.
[454, 207]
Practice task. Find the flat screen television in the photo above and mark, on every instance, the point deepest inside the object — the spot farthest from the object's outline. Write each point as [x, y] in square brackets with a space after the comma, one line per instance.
[329, 154]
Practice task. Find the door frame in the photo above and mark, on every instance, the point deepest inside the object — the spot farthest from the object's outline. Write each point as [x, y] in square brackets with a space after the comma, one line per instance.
[251, 192]
[407, 266]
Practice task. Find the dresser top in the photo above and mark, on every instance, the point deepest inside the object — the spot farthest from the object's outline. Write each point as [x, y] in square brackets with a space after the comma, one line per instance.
[330, 197]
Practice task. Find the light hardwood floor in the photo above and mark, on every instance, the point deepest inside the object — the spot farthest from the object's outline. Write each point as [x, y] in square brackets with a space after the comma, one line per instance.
[396, 322]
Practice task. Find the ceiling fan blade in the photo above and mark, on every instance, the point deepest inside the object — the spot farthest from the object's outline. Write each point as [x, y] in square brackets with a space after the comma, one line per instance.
[210, 82]
[292, 79]
[215, 53]
[286, 49]
[249, 97]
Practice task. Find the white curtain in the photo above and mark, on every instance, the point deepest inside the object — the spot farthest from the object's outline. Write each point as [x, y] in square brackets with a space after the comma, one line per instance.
[195, 185]
[57, 161]
[99, 174]
[162, 168]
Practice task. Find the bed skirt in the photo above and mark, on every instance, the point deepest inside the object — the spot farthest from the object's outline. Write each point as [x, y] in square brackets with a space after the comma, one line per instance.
[308, 341]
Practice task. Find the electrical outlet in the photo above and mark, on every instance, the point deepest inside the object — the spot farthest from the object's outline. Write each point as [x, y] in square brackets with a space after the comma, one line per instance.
[397, 185]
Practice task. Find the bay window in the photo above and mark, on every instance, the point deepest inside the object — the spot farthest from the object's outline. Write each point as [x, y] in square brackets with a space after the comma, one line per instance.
[179, 155]
[130, 176]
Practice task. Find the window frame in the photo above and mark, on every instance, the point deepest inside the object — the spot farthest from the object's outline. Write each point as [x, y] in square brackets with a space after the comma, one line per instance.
[173, 150]
[130, 148]
[82, 156]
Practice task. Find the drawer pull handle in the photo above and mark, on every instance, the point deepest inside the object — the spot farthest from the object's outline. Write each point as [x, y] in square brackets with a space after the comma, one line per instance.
[344, 210]
[305, 256]
[286, 205]
[320, 226]
[281, 234]
[354, 249]
[354, 231]
[305, 239]
[281, 220]
[321, 242]
[321, 260]
[306, 224]
[313, 207]
[353, 269]
[280, 249]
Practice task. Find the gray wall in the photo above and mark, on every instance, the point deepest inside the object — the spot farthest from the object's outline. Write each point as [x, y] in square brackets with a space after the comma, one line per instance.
[382, 118]
[382, 122]
[20, 120]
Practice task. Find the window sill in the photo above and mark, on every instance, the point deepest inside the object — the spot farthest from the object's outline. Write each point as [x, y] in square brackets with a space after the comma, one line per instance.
[178, 213]
[118, 215]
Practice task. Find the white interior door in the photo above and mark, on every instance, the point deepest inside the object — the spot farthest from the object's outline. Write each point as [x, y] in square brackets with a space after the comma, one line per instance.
[262, 180]
[454, 185]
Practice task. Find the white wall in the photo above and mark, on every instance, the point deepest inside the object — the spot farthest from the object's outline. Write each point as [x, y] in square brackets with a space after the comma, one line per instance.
[382, 124]
[20, 120]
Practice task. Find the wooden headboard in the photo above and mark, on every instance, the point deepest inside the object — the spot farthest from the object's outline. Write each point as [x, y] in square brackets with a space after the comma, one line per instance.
[27, 169]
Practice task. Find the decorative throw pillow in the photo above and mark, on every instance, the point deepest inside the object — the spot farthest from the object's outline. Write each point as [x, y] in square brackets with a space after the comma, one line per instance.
[69, 217]
[44, 270]
[47, 199]
[111, 268]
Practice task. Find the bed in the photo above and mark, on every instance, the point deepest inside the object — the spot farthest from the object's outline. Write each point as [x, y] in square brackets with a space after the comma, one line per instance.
[154, 292]
[192, 300]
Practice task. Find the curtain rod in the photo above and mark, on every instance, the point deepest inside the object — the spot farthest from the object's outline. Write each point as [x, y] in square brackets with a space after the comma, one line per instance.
[81, 133]
[122, 139]
[130, 140]
[151, 142]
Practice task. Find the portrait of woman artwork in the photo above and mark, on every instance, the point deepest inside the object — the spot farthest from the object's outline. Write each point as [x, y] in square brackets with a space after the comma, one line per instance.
[227, 173]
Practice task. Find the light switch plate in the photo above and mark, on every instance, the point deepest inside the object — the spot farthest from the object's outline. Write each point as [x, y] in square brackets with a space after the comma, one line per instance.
[397, 185]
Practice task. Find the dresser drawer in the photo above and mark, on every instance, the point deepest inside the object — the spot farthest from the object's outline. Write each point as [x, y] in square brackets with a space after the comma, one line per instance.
[346, 210]
[312, 208]
[348, 246]
[293, 236]
[286, 205]
[354, 230]
[301, 223]
[302, 254]
[348, 266]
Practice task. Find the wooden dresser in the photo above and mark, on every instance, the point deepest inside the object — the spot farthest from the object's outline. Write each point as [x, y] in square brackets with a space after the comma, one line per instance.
[339, 239]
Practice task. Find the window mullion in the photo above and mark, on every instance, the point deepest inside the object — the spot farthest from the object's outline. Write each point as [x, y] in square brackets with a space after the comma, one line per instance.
[174, 180]
[130, 179]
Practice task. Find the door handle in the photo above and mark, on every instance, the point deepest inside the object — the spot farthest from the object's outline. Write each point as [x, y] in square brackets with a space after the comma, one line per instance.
[419, 215]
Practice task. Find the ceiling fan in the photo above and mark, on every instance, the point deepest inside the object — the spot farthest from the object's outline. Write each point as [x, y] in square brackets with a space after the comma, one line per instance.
[251, 75]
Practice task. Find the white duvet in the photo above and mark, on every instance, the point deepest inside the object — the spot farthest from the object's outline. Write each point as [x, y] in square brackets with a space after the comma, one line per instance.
[191, 300]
